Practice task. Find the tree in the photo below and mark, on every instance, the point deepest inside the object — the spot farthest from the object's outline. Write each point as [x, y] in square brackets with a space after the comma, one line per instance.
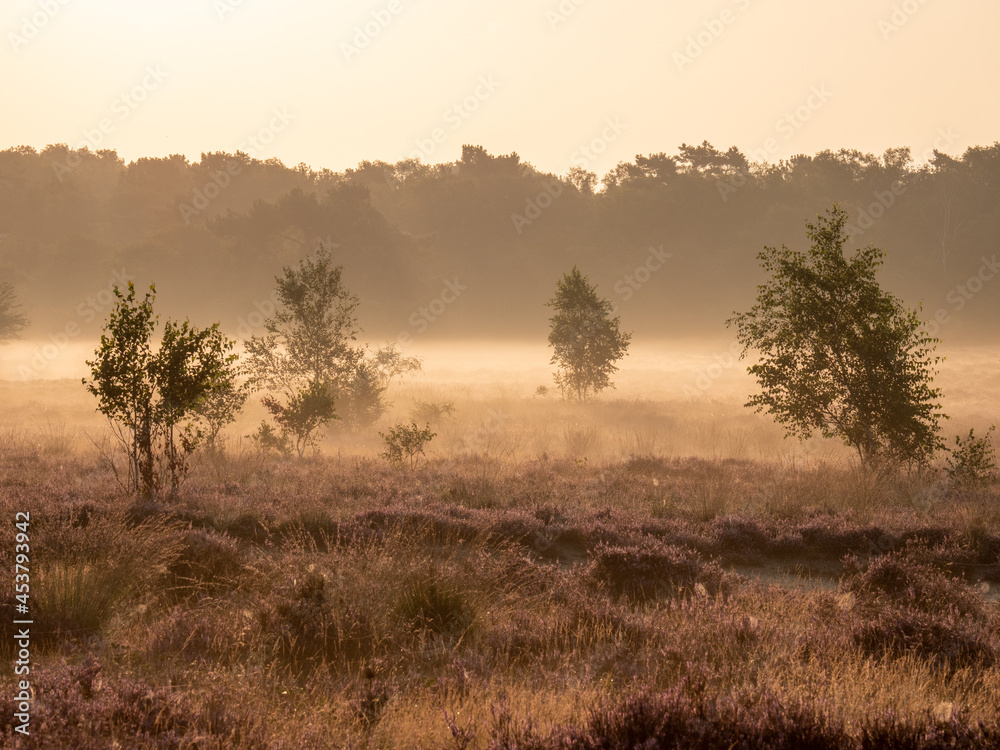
[840, 355]
[12, 322]
[390, 363]
[307, 356]
[585, 338]
[361, 400]
[219, 408]
[149, 397]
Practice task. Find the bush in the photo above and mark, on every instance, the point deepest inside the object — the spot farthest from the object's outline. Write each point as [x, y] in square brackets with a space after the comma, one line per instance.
[972, 462]
[207, 560]
[432, 412]
[405, 443]
[905, 604]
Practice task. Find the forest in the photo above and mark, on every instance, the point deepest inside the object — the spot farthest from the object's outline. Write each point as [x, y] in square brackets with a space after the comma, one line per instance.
[487, 233]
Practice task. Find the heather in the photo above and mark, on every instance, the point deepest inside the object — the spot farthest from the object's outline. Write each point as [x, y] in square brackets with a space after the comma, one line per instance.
[482, 603]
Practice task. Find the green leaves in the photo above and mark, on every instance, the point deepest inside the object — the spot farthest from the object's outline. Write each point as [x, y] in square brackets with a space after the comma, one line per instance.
[307, 356]
[150, 397]
[586, 340]
[404, 443]
[839, 355]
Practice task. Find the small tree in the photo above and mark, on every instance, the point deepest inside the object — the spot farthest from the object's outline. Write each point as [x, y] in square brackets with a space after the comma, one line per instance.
[390, 363]
[972, 462]
[306, 411]
[405, 443]
[361, 400]
[586, 340]
[219, 408]
[149, 397]
[838, 354]
[307, 358]
[12, 321]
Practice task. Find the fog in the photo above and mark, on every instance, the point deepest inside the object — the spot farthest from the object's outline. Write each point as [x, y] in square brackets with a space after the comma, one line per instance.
[682, 398]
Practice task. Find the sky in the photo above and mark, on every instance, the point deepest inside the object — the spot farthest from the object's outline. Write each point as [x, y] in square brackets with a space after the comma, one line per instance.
[564, 83]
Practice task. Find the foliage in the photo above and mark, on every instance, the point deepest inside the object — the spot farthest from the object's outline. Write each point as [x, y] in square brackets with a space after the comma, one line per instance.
[585, 338]
[839, 354]
[12, 321]
[404, 443]
[269, 439]
[307, 357]
[390, 363]
[149, 397]
[361, 400]
[220, 407]
[307, 410]
[973, 460]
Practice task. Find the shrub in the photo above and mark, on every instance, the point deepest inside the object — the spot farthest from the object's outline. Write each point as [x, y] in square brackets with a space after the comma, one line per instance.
[150, 398]
[972, 462]
[431, 411]
[405, 443]
[906, 604]
[207, 559]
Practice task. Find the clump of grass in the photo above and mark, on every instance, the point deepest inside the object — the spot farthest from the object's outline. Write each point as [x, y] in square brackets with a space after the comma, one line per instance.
[206, 562]
[650, 568]
[303, 627]
[429, 603]
[208, 635]
[93, 569]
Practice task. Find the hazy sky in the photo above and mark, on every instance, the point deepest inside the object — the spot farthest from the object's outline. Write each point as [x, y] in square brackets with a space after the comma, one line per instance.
[585, 82]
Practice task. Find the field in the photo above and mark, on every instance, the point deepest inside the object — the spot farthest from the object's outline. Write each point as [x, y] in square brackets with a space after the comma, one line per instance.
[657, 567]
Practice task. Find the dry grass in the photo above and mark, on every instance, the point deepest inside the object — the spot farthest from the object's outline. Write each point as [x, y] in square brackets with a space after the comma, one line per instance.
[547, 564]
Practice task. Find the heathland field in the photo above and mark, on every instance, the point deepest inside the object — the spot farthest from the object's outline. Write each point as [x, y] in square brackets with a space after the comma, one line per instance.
[659, 568]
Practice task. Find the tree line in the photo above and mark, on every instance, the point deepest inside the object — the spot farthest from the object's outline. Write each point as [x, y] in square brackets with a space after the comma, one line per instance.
[499, 226]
